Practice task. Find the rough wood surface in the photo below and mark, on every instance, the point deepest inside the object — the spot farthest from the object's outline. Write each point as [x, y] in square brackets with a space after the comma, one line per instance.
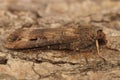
[19, 22]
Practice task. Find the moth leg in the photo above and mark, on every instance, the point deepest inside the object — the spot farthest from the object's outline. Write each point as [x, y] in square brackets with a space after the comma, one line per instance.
[86, 60]
[98, 51]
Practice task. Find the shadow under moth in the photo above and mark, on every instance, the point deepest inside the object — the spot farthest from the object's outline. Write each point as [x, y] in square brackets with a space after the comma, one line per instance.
[66, 38]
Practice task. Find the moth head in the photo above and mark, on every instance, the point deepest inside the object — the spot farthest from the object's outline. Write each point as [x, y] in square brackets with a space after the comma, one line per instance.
[101, 37]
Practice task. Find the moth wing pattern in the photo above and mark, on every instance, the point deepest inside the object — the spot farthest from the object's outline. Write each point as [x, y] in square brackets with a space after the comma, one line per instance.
[32, 38]
[53, 38]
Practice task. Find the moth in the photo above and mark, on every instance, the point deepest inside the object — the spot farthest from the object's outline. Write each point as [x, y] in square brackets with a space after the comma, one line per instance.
[80, 39]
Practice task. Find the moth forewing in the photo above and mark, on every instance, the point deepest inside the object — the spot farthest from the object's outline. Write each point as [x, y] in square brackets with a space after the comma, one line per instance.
[81, 38]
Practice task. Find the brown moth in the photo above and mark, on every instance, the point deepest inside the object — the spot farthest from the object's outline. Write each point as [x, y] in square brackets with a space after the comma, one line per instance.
[67, 38]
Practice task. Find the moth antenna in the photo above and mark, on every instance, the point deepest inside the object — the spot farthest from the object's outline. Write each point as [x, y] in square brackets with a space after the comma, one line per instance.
[108, 47]
[98, 51]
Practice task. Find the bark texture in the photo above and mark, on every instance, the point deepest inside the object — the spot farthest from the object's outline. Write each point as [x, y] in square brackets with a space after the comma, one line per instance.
[39, 64]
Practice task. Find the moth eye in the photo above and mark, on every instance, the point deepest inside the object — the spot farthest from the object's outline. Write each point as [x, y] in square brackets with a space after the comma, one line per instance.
[101, 37]
[99, 31]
